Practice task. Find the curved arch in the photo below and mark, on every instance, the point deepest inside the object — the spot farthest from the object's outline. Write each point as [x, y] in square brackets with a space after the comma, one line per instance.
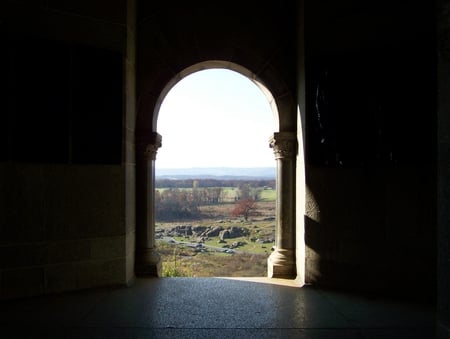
[214, 64]
[282, 261]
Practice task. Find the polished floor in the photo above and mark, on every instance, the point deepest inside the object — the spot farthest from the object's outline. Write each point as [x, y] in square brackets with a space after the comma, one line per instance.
[213, 308]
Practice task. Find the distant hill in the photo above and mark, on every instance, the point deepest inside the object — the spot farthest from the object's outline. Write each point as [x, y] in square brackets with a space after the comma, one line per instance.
[223, 173]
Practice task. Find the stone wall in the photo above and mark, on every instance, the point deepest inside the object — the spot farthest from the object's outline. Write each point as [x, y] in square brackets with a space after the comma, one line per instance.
[66, 168]
[173, 39]
[62, 228]
[365, 79]
[371, 230]
[370, 152]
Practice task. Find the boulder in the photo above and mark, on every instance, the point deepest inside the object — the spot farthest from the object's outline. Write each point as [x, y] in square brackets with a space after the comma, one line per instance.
[224, 234]
[238, 232]
[233, 232]
[212, 231]
[198, 230]
[183, 230]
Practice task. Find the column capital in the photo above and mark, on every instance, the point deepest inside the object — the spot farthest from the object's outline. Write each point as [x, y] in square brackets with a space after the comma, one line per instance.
[147, 144]
[151, 150]
[284, 145]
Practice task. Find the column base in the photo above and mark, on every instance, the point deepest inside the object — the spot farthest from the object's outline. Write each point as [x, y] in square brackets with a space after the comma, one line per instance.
[148, 263]
[281, 264]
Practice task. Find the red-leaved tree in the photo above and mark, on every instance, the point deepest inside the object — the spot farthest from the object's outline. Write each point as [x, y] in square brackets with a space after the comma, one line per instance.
[244, 207]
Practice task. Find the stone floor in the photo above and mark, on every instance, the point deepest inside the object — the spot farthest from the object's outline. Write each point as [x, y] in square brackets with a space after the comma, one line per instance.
[213, 308]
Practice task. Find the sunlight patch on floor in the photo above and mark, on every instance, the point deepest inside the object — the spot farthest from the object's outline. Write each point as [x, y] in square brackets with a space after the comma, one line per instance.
[265, 280]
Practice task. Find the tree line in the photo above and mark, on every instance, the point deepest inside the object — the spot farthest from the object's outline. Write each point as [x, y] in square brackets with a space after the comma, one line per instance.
[207, 182]
[178, 203]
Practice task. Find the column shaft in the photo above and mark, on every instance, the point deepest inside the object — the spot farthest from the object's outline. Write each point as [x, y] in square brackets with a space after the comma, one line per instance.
[281, 263]
[148, 261]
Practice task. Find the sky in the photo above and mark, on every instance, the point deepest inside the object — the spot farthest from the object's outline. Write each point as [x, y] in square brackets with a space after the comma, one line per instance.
[215, 118]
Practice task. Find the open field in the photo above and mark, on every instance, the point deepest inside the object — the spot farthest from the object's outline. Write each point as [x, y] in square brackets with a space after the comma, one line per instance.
[205, 255]
[183, 261]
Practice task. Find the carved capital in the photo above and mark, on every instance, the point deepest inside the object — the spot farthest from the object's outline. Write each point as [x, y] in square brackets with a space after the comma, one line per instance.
[284, 145]
[147, 145]
[151, 150]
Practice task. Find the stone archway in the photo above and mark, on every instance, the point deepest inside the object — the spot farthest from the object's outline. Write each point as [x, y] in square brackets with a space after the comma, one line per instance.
[282, 262]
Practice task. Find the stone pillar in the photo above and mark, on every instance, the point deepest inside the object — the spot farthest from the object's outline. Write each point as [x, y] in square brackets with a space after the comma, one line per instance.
[148, 261]
[281, 263]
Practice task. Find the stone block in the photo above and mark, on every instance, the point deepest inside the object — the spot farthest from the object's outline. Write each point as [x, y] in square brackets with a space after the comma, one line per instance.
[312, 270]
[130, 277]
[130, 197]
[104, 10]
[61, 202]
[24, 282]
[130, 155]
[130, 242]
[23, 204]
[60, 278]
[101, 273]
[130, 106]
[68, 251]
[22, 255]
[108, 248]
[84, 202]
[72, 27]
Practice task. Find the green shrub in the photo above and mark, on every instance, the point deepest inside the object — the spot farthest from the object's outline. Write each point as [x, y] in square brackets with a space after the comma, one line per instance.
[171, 270]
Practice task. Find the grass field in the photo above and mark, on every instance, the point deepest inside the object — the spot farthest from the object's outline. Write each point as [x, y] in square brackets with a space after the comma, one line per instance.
[269, 195]
[249, 259]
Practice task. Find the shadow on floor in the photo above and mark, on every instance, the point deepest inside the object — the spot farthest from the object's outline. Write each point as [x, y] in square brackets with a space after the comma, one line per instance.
[213, 308]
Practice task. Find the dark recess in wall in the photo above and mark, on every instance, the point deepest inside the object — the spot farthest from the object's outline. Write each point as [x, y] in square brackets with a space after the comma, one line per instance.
[60, 103]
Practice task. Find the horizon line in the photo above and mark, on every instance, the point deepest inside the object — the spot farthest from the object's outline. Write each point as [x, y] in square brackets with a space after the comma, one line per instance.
[217, 167]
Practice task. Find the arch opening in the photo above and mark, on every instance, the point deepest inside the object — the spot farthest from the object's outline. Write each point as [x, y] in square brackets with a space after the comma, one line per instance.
[217, 64]
[223, 226]
[281, 262]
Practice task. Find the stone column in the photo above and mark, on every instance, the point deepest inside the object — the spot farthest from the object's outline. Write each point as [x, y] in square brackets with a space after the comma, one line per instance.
[281, 263]
[148, 261]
